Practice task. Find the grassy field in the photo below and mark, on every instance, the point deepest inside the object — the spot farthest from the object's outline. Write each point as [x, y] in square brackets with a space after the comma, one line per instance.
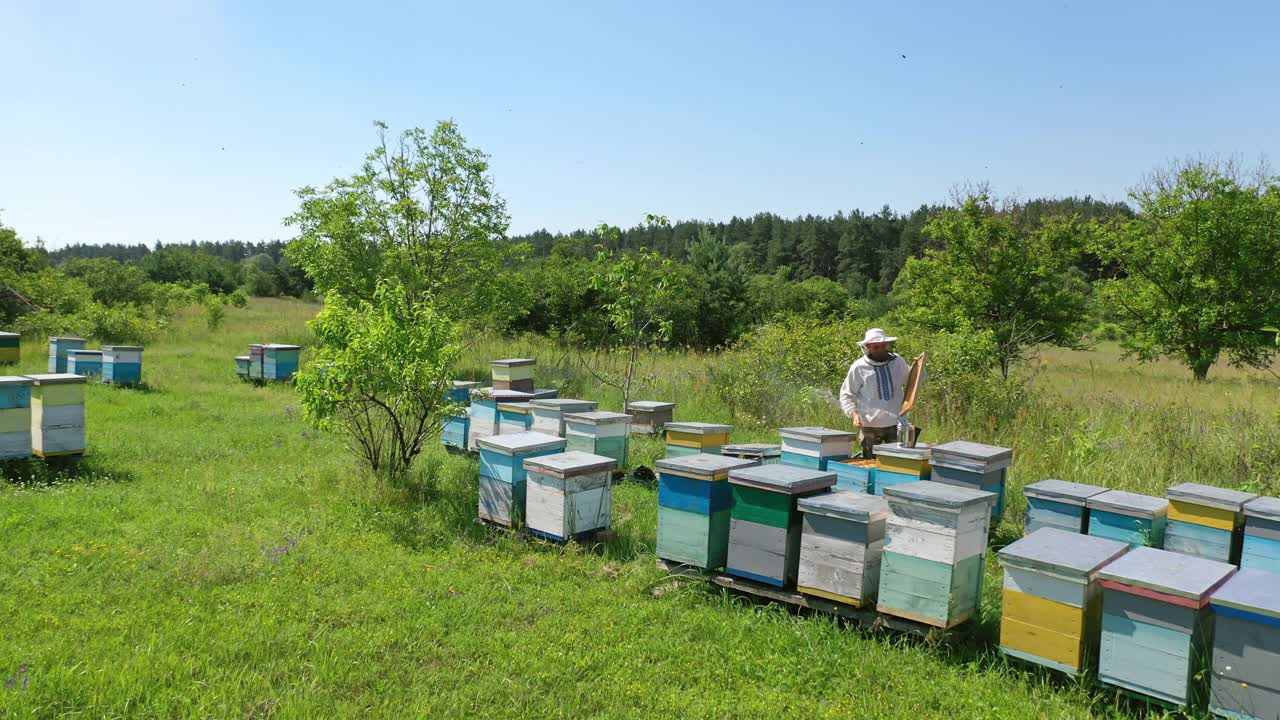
[212, 557]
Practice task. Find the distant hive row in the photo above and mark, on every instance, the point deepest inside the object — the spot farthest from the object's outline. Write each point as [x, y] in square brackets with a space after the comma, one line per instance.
[41, 415]
[115, 364]
[269, 362]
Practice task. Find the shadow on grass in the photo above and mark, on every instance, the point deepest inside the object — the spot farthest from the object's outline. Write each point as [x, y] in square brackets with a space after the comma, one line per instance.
[59, 470]
[142, 388]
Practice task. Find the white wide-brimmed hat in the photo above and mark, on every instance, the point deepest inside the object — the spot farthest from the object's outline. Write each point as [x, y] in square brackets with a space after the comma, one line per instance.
[876, 335]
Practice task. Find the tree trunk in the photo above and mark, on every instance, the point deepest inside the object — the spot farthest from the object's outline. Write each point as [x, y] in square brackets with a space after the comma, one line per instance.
[1200, 362]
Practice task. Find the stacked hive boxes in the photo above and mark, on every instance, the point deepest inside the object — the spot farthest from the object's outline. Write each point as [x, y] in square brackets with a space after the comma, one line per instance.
[1128, 517]
[456, 431]
[122, 364]
[1052, 599]
[279, 362]
[515, 417]
[568, 495]
[1261, 549]
[855, 475]
[650, 416]
[974, 465]
[1246, 645]
[1206, 521]
[15, 417]
[600, 433]
[693, 508]
[1059, 504]
[690, 438]
[9, 348]
[513, 374]
[814, 447]
[84, 362]
[1156, 626]
[461, 391]
[485, 415]
[841, 540]
[931, 569]
[898, 465]
[765, 523]
[548, 414]
[57, 414]
[762, 453]
[58, 349]
[503, 474]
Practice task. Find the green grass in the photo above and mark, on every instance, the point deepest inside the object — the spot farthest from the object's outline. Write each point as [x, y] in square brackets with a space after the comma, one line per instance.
[212, 557]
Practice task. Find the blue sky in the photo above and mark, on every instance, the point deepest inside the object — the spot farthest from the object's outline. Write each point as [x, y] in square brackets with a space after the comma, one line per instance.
[136, 121]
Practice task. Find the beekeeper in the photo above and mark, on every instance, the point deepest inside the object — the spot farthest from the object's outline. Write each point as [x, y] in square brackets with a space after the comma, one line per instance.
[872, 392]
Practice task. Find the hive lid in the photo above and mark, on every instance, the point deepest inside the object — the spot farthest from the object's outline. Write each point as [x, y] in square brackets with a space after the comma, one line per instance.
[1211, 496]
[782, 478]
[56, 379]
[935, 493]
[488, 393]
[9, 334]
[704, 464]
[544, 393]
[971, 451]
[67, 337]
[650, 405]
[1061, 551]
[123, 348]
[521, 443]
[574, 462]
[242, 357]
[1171, 573]
[15, 380]
[848, 505]
[282, 346]
[919, 452]
[513, 362]
[1267, 508]
[1253, 591]
[699, 428]
[815, 434]
[565, 405]
[1063, 491]
[465, 384]
[1128, 503]
[752, 448]
[518, 405]
[598, 417]
[84, 352]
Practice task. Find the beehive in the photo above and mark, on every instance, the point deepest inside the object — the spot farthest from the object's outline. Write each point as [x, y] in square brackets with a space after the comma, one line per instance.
[841, 540]
[568, 494]
[974, 465]
[280, 362]
[513, 374]
[898, 465]
[515, 417]
[1128, 517]
[57, 414]
[650, 416]
[689, 438]
[1052, 599]
[815, 447]
[257, 353]
[855, 475]
[763, 453]
[1206, 521]
[1059, 504]
[461, 391]
[58, 349]
[693, 508]
[15, 417]
[548, 414]
[935, 540]
[483, 412]
[1261, 547]
[599, 433]
[242, 366]
[1156, 626]
[457, 430]
[503, 475]
[1245, 681]
[10, 348]
[84, 362]
[122, 364]
[764, 522]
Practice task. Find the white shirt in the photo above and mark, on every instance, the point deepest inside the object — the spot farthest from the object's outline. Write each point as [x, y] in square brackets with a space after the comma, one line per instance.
[872, 391]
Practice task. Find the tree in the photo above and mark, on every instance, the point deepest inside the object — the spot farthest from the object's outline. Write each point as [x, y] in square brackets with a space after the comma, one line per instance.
[1193, 275]
[989, 274]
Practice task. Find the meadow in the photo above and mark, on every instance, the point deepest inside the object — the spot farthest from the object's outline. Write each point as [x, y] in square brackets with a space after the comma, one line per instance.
[214, 557]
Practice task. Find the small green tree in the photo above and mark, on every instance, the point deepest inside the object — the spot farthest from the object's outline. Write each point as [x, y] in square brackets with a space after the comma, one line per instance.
[989, 274]
[1194, 273]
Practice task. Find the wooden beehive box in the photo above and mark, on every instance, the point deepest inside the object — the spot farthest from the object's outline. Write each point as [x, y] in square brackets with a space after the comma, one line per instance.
[1206, 521]
[1156, 626]
[456, 430]
[764, 522]
[974, 465]
[1245, 680]
[568, 494]
[503, 475]
[513, 374]
[899, 465]
[694, 498]
[15, 417]
[242, 366]
[280, 362]
[122, 364]
[548, 414]
[935, 544]
[58, 349]
[1128, 517]
[84, 362]
[763, 453]
[815, 447]
[257, 353]
[1052, 599]
[1261, 547]
[841, 540]
[10, 348]
[1059, 504]
[690, 438]
[461, 391]
[515, 417]
[855, 475]
[600, 433]
[57, 414]
[650, 416]
[484, 412]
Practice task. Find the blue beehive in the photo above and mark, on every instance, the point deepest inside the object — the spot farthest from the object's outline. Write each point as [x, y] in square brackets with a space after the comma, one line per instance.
[1059, 504]
[1206, 521]
[694, 497]
[86, 363]
[503, 474]
[1261, 550]
[15, 417]
[1246, 645]
[855, 475]
[1128, 517]
[456, 430]
[280, 362]
[461, 391]
[484, 412]
[58, 349]
[122, 364]
[973, 465]
[815, 447]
